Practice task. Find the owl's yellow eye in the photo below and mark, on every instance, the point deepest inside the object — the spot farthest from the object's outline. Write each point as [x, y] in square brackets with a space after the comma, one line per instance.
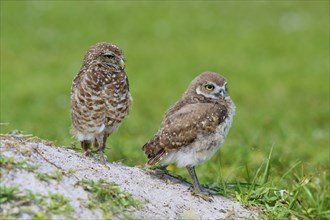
[209, 87]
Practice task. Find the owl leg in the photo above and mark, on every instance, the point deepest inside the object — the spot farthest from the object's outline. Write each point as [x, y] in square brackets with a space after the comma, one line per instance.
[101, 145]
[197, 191]
[85, 146]
[105, 137]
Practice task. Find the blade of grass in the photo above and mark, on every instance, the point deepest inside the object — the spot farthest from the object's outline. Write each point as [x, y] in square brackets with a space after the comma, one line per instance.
[290, 170]
[267, 168]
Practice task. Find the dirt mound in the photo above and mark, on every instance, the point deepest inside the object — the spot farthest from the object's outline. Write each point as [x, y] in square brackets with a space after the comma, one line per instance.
[44, 174]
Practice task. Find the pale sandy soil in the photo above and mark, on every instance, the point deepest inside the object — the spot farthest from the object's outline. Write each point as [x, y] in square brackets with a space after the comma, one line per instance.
[162, 196]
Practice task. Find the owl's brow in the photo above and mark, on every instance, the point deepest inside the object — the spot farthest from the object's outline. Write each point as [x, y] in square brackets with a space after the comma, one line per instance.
[209, 82]
[109, 53]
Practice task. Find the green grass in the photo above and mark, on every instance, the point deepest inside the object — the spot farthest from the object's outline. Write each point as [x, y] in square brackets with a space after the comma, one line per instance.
[9, 163]
[46, 177]
[107, 196]
[275, 56]
[19, 202]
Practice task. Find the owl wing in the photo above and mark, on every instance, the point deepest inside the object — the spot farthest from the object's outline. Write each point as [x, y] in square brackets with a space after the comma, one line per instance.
[182, 128]
[87, 102]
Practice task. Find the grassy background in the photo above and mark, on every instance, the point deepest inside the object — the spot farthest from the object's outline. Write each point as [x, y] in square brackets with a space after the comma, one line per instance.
[275, 56]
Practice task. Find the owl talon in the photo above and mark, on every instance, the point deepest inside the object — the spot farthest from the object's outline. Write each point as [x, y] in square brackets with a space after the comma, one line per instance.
[204, 195]
[102, 158]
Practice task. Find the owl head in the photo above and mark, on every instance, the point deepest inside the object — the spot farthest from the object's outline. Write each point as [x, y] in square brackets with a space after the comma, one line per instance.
[209, 86]
[105, 53]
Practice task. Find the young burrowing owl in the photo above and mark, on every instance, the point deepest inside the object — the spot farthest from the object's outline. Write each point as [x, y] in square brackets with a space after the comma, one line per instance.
[100, 96]
[195, 127]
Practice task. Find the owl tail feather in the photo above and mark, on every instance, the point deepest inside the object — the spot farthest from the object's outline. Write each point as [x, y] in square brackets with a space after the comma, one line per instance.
[154, 151]
[154, 159]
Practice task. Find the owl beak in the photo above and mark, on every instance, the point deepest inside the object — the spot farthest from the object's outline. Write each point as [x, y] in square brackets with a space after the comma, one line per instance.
[122, 64]
[221, 93]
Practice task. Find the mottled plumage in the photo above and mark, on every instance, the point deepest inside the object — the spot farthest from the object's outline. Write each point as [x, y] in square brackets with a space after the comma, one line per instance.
[195, 127]
[100, 96]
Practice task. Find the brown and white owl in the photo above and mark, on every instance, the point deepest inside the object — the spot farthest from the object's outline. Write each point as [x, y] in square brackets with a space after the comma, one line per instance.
[195, 127]
[100, 96]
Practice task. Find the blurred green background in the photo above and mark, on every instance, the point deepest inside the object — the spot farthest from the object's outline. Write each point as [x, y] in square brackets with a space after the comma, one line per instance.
[275, 56]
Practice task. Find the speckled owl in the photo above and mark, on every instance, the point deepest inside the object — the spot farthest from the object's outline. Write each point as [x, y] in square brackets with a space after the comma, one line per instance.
[195, 127]
[100, 97]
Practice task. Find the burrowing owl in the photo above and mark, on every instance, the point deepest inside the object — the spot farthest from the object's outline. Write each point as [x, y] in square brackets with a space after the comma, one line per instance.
[195, 127]
[100, 96]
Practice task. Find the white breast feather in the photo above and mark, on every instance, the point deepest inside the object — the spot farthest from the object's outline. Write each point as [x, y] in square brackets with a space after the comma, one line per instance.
[204, 147]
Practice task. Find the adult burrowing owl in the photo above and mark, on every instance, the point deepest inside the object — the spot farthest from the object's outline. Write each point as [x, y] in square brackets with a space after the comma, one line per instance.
[100, 96]
[195, 127]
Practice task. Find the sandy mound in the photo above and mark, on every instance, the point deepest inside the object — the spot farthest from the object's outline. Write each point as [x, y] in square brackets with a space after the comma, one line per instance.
[161, 195]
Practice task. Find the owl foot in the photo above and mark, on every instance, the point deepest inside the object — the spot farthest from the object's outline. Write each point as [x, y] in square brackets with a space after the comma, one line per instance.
[102, 158]
[204, 195]
[93, 154]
